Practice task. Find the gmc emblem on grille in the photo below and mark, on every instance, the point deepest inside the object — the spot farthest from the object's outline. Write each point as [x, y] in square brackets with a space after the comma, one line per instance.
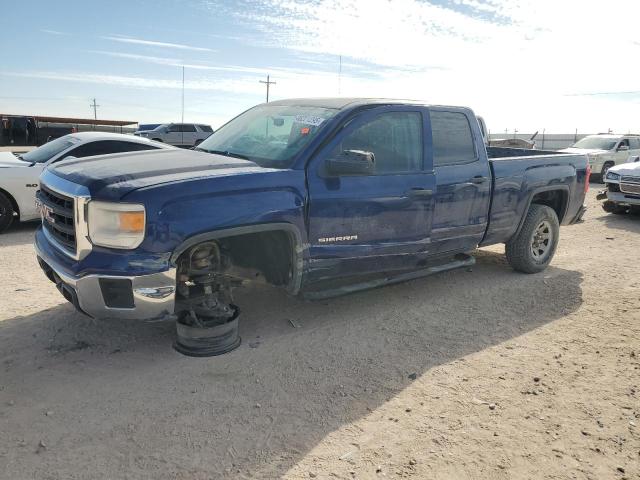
[46, 212]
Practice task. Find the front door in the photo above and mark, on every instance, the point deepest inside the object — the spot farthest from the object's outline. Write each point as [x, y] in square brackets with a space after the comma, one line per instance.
[365, 223]
[463, 182]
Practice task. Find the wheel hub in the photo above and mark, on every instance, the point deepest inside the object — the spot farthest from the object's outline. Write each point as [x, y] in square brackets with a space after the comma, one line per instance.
[542, 240]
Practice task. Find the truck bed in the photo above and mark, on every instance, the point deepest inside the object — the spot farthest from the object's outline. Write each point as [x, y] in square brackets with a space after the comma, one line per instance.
[517, 172]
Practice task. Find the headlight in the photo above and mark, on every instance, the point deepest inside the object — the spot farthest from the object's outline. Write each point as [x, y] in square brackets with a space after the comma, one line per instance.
[613, 176]
[116, 225]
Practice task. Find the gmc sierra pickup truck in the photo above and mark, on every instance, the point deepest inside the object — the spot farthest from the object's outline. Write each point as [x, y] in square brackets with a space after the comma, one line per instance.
[318, 196]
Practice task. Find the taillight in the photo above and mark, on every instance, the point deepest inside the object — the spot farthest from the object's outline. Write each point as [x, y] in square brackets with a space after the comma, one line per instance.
[587, 178]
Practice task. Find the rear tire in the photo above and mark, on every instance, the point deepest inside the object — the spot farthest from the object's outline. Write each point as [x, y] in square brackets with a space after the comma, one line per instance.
[532, 249]
[157, 140]
[6, 213]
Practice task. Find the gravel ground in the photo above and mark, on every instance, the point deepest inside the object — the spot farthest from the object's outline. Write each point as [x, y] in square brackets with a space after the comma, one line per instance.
[467, 374]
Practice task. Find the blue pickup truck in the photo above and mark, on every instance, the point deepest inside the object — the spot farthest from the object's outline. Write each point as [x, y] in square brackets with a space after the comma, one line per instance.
[318, 196]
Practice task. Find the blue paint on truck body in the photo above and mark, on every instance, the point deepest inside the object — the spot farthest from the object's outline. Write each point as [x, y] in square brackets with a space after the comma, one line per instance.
[343, 225]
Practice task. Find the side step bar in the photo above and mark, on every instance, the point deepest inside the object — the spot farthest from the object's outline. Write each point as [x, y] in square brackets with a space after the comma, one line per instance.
[461, 261]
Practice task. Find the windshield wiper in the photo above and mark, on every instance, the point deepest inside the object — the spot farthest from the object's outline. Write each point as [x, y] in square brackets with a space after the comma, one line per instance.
[225, 153]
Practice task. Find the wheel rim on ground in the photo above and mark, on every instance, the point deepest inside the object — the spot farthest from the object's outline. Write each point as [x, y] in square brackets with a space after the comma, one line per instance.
[541, 241]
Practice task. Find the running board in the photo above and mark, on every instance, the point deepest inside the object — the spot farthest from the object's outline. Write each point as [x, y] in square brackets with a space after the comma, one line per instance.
[463, 260]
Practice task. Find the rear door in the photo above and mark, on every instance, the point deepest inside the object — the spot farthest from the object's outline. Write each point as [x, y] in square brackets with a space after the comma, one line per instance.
[188, 134]
[173, 135]
[634, 147]
[463, 181]
[361, 224]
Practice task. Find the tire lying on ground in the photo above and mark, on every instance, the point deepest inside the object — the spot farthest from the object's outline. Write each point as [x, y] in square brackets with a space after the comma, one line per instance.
[6, 213]
[532, 249]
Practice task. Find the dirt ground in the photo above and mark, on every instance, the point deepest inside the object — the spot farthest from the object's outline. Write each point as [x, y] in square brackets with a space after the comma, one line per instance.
[486, 374]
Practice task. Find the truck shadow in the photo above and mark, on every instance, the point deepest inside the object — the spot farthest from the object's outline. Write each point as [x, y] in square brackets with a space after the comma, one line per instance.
[121, 396]
[629, 221]
[19, 234]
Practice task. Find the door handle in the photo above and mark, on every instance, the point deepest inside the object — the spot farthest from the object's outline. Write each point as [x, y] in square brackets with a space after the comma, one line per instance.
[420, 192]
[479, 179]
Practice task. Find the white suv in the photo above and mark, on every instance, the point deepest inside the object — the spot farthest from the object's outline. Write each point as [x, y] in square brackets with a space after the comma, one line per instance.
[605, 151]
[179, 134]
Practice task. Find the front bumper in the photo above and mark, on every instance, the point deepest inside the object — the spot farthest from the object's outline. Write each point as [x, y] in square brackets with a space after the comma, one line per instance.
[142, 297]
[623, 199]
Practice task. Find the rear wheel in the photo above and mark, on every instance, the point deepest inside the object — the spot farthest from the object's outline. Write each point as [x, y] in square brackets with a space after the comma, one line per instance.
[157, 140]
[532, 249]
[6, 213]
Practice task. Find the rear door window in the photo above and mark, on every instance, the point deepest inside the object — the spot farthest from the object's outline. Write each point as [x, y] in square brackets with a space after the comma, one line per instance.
[187, 127]
[104, 147]
[452, 138]
[206, 128]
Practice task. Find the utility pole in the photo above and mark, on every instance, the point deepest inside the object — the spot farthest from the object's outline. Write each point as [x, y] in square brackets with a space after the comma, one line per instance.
[95, 106]
[268, 83]
[182, 117]
[340, 76]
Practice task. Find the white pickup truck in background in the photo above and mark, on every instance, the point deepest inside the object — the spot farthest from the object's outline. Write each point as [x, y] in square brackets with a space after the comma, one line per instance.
[20, 174]
[605, 151]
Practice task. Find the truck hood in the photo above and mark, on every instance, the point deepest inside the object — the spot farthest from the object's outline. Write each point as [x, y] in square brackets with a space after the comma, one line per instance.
[632, 169]
[583, 151]
[8, 160]
[111, 177]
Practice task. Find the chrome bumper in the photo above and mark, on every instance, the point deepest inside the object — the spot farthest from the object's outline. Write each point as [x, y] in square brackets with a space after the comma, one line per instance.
[623, 199]
[153, 295]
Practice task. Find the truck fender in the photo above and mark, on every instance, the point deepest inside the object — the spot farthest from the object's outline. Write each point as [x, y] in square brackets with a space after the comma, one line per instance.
[298, 250]
[548, 188]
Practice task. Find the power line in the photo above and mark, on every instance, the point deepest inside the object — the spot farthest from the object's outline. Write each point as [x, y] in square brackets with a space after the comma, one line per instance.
[268, 83]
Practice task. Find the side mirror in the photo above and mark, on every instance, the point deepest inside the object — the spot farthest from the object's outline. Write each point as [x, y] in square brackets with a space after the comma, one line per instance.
[623, 148]
[352, 162]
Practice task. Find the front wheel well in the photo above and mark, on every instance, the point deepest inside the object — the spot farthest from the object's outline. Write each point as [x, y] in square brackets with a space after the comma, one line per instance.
[255, 254]
[555, 199]
[12, 200]
[269, 254]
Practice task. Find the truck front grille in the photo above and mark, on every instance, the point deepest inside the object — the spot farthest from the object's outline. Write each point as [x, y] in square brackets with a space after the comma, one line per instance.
[629, 184]
[58, 217]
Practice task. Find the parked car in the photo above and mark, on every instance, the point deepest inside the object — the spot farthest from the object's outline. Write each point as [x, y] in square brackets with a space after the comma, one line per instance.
[605, 151]
[321, 197]
[19, 174]
[622, 194]
[179, 134]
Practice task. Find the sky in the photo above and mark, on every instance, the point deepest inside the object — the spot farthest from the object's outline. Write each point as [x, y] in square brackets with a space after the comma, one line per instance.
[557, 65]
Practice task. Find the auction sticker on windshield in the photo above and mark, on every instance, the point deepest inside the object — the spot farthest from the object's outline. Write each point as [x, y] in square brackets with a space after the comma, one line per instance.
[309, 120]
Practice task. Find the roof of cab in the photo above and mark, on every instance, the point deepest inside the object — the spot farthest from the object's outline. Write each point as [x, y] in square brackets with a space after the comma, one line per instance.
[340, 102]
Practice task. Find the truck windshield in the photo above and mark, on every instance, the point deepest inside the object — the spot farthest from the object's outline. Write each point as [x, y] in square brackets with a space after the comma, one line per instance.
[49, 150]
[269, 135]
[596, 143]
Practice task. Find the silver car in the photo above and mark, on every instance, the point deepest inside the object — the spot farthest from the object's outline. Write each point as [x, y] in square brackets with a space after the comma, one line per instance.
[179, 134]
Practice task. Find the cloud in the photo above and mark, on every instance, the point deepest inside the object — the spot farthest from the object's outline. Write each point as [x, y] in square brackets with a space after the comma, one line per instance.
[53, 32]
[153, 43]
[517, 59]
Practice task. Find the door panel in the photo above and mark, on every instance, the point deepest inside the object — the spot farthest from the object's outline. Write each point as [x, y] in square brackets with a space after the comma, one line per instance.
[371, 223]
[463, 183]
